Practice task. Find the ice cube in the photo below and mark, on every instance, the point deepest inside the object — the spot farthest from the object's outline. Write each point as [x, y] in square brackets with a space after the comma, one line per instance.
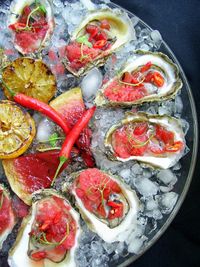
[157, 38]
[125, 174]
[96, 246]
[167, 201]
[91, 83]
[146, 187]
[178, 105]
[44, 130]
[136, 169]
[167, 177]
[109, 247]
[134, 20]
[151, 204]
[136, 245]
[88, 4]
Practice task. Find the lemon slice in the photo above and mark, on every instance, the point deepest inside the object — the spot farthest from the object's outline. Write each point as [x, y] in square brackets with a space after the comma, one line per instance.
[17, 130]
[30, 77]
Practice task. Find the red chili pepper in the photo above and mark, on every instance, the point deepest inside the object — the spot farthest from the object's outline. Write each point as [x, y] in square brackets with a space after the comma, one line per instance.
[158, 80]
[100, 44]
[17, 26]
[100, 36]
[127, 77]
[114, 204]
[72, 137]
[35, 104]
[116, 210]
[146, 67]
[155, 78]
[177, 146]
[92, 30]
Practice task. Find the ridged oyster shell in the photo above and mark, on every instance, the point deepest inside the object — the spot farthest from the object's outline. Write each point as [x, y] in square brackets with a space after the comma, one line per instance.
[18, 253]
[109, 233]
[163, 161]
[162, 63]
[121, 27]
[16, 9]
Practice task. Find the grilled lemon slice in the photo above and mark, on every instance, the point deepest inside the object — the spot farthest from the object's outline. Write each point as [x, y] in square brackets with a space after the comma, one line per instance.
[30, 77]
[17, 130]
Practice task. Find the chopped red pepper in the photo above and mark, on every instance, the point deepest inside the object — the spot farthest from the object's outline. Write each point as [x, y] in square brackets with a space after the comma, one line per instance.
[177, 146]
[116, 210]
[167, 137]
[158, 79]
[92, 30]
[100, 36]
[127, 77]
[105, 24]
[17, 26]
[100, 44]
[146, 67]
[155, 78]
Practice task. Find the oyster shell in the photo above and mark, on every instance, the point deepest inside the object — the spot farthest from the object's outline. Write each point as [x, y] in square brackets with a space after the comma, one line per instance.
[145, 86]
[152, 139]
[32, 44]
[120, 31]
[108, 205]
[18, 254]
[5, 208]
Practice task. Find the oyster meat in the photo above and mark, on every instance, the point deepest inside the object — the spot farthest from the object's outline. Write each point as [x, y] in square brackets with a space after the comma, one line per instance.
[156, 140]
[100, 34]
[49, 235]
[108, 206]
[152, 76]
[7, 217]
[32, 23]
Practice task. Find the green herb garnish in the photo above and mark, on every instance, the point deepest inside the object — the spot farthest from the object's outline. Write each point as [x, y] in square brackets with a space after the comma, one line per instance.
[84, 40]
[53, 139]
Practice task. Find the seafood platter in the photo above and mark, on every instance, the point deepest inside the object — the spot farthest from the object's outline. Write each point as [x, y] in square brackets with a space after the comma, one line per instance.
[96, 149]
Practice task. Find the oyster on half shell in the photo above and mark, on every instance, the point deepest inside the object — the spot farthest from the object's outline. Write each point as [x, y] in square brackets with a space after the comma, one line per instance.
[32, 23]
[150, 77]
[99, 35]
[108, 206]
[49, 235]
[152, 139]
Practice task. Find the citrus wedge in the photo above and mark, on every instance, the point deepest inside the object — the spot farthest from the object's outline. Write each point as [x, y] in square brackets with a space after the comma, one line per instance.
[17, 130]
[30, 77]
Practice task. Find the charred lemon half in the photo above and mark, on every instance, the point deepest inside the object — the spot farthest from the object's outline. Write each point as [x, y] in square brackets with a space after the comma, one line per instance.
[17, 130]
[30, 77]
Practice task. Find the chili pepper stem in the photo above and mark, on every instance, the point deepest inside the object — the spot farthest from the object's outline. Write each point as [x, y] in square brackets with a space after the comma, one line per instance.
[8, 88]
[62, 162]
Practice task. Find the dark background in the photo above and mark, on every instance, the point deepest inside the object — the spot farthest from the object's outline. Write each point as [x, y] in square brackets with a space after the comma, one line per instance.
[179, 23]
